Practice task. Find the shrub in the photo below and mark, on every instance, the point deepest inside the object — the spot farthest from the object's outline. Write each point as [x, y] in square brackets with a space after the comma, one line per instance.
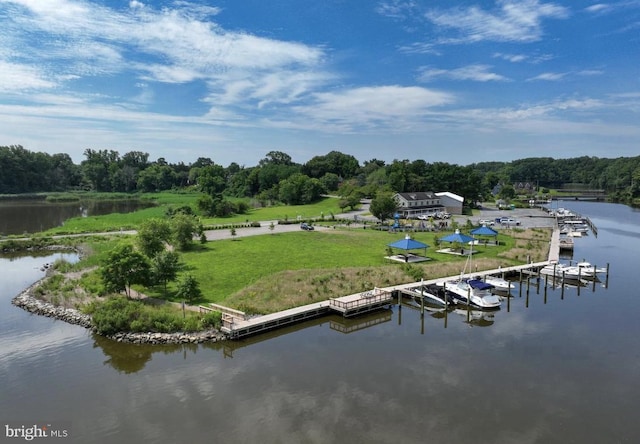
[119, 314]
[211, 320]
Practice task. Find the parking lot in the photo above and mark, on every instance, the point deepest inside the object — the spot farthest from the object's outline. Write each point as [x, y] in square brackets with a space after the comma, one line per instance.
[528, 217]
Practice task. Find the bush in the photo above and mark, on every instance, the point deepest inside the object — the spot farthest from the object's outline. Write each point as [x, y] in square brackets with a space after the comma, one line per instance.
[211, 320]
[119, 314]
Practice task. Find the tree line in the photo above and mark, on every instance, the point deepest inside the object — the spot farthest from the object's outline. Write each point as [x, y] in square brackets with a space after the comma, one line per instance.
[277, 178]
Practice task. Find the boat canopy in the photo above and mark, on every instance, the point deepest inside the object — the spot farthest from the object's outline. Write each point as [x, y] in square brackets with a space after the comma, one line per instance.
[480, 285]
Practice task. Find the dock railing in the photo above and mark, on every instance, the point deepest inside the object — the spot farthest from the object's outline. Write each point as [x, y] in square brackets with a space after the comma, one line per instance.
[366, 299]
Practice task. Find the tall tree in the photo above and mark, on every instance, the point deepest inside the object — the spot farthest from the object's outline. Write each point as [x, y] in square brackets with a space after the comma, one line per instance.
[124, 267]
[184, 228]
[383, 206]
[164, 267]
[152, 235]
[98, 168]
[188, 288]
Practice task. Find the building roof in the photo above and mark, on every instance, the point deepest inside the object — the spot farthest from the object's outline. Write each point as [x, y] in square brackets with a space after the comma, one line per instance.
[418, 195]
[451, 196]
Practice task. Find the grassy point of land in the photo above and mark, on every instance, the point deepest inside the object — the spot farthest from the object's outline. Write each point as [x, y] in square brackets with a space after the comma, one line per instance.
[263, 274]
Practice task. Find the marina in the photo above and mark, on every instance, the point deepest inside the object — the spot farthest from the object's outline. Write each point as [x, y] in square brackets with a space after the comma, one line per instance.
[237, 324]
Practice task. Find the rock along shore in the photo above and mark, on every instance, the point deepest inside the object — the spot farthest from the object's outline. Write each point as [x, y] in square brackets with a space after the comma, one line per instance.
[30, 303]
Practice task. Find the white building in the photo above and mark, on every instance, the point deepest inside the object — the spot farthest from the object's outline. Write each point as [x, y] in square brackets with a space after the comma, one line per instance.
[412, 205]
[452, 202]
[426, 203]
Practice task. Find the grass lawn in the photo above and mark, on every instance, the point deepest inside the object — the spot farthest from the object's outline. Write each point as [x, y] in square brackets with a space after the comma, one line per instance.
[268, 273]
[130, 221]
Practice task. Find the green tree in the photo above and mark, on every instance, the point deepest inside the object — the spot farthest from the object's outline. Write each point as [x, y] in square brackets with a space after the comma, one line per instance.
[152, 236]
[507, 192]
[212, 179]
[123, 267]
[184, 227]
[164, 267]
[383, 206]
[99, 167]
[300, 189]
[188, 288]
[157, 177]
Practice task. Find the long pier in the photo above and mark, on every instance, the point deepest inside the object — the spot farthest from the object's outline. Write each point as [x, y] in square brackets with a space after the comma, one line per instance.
[237, 324]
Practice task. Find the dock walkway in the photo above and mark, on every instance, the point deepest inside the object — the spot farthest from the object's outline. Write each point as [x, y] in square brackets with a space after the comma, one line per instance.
[238, 325]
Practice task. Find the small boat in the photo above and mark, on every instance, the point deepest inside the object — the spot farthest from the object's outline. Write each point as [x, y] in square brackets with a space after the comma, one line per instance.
[582, 270]
[499, 283]
[432, 294]
[473, 292]
[559, 270]
[587, 270]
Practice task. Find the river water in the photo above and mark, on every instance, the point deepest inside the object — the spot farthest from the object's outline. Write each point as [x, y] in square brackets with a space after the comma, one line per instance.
[32, 216]
[562, 371]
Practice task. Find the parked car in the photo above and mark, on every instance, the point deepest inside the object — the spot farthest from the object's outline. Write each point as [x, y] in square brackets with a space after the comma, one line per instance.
[509, 221]
[487, 222]
[305, 226]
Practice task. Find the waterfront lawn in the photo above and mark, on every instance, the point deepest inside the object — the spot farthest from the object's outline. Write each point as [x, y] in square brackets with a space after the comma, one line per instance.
[130, 221]
[229, 271]
[272, 272]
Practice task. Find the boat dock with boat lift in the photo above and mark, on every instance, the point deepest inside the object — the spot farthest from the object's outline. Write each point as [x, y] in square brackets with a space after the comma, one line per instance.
[237, 324]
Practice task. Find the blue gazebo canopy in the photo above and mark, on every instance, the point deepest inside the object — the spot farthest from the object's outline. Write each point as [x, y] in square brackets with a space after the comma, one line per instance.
[457, 237]
[408, 244]
[484, 231]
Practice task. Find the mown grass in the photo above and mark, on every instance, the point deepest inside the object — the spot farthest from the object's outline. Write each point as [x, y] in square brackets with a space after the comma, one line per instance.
[164, 201]
[262, 274]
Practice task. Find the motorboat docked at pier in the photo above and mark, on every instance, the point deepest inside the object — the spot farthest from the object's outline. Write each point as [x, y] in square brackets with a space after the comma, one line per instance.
[582, 270]
[431, 294]
[472, 292]
[499, 283]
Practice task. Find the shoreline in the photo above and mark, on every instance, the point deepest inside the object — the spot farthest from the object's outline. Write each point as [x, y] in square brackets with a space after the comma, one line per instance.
[28, 302]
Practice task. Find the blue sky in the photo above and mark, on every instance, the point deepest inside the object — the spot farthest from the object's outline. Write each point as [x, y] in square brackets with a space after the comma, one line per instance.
[451, 81]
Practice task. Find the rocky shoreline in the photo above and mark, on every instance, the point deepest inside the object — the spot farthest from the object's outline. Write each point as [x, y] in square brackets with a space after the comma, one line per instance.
[30, 303]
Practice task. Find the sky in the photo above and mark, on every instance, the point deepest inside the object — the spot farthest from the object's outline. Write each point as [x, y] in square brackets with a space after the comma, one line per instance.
[440, 80]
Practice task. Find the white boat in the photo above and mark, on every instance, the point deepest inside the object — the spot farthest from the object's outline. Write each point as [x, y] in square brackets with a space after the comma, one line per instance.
[560, 270]
[587, 270]
[582, 270]
[499, 283]
[473, 292]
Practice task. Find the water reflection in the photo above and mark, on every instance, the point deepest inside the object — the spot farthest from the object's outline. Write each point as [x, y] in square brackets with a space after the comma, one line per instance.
[29, 216]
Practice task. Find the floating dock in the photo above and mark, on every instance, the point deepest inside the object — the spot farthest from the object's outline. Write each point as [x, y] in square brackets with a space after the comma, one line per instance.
[237, 324]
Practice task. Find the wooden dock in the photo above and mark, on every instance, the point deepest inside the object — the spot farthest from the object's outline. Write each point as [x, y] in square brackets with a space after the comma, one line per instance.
[239, 325]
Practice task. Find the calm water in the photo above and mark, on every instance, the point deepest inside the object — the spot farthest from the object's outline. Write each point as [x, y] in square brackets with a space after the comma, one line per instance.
[31, 216]
[567, 371]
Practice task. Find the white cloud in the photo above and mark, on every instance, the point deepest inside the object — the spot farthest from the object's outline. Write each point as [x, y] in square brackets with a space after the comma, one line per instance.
[16, 77]
[549, 76]
[598, 7]
[515, 58]
[398, 9]
[512, 21]
[177, 45]
[478, 73]
[382, 106]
